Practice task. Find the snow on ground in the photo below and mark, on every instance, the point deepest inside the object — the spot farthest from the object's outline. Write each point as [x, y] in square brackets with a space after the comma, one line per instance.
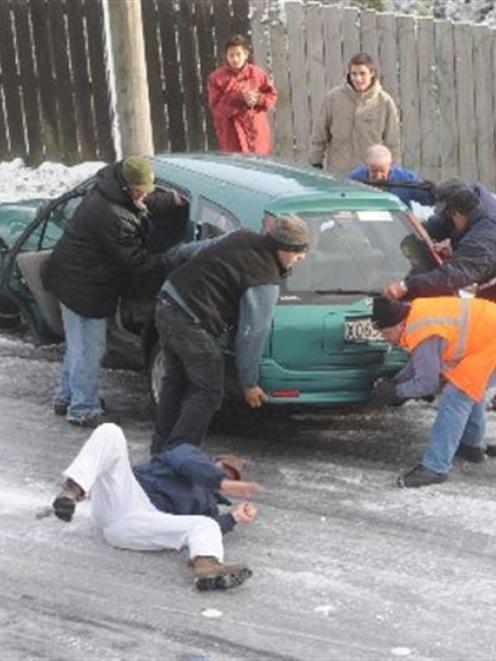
[20, 182]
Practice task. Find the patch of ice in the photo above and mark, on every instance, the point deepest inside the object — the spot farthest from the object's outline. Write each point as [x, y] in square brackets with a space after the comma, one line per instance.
[325, 609]
[401, 651]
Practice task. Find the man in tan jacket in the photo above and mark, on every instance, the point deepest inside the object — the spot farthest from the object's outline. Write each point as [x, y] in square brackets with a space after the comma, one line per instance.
[353, 117]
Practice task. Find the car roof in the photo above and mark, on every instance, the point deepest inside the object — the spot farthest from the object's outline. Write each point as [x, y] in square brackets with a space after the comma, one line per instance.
[249, 185]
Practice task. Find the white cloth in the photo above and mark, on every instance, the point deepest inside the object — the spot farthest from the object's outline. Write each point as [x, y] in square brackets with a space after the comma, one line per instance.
[123, 511]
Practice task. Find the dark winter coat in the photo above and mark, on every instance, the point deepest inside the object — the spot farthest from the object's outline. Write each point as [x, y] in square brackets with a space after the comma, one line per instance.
[473, 261]
[183, 480]
[103, 245]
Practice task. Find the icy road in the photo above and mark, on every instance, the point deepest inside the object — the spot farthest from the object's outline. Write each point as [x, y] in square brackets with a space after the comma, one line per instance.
[346, 565]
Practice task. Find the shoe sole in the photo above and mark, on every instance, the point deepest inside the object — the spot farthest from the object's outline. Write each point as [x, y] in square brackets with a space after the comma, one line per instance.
[402, 482]
[226, 582]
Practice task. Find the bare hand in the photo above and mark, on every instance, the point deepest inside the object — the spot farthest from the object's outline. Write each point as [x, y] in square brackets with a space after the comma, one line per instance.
[251, 98]
[255, 397]
[239, 489]
[244, 512]
[395, 290]
[443, 248]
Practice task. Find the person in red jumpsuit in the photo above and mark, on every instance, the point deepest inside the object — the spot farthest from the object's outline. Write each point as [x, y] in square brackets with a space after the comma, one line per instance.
[240, 96]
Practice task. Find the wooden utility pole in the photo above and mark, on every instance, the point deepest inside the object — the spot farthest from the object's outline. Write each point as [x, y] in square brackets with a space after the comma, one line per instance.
[131, 82]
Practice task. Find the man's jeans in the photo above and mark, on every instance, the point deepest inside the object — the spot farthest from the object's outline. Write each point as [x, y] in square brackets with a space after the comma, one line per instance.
[85, 344]
[193, 382]
[459, 420]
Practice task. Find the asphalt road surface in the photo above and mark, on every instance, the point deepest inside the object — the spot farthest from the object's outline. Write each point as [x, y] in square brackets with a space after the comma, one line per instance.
[346, 565]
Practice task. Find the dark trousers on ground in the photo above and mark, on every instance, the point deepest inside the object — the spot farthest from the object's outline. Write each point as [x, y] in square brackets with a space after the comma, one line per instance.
[193, 382]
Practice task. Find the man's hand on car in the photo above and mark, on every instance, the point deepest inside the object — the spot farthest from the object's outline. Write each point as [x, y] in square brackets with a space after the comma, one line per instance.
[443, 248]
[384, 394]
[244, 512]
[255, 397]
[239, 488]
[395, 290]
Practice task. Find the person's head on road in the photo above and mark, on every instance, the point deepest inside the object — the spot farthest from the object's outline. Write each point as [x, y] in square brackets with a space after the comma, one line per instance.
[230, 464]
[379, 161]
[389, 318]
[460, 206]
[237, 51]
[290, 238]
[362, 71]
[139, 176]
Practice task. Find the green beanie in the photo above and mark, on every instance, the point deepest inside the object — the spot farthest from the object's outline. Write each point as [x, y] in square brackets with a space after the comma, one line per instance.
[138, 174]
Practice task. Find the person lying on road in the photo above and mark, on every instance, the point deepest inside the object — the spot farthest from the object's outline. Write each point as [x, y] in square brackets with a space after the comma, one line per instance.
[168, 503]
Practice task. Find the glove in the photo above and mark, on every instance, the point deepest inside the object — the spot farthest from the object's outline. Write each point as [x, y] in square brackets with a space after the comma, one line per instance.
[384, 394]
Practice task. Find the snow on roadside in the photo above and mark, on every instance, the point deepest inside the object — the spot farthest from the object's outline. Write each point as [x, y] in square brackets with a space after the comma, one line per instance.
[20, 182]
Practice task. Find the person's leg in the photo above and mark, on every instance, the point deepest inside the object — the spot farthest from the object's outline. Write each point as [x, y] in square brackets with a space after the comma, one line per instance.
[204, 367]
[86, 341]
[174, 381]
[62, 397]
[102, 470]
[455, 410]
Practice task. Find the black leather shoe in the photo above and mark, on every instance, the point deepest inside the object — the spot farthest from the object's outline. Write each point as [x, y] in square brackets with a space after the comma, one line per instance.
[420, 476]
[491, 450]
[94, 421]
[61, 408]
[469, 453]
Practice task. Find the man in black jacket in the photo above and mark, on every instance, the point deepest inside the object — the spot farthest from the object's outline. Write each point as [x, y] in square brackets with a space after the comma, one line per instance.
[170, 502]
[468, 219]
[103, 245]
[229, 281]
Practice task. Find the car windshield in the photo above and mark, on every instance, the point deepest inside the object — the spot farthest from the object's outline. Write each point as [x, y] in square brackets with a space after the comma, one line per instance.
[352, 251]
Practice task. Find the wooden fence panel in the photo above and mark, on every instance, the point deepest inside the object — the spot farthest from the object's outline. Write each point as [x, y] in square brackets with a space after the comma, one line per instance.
[388, 54]
[315, 59]
[369, 35]
[409, 93]
[99, 81]
[12, 92]
[333, 51]
[351, 34]
[464, 68]
[156, 83]
[82, 94]
[28, 82]
[484, 109]
[208, 62]
[298, 79]
[193, 101]
[283, 139]
[259, 33]
[446, 99]
[63, 82]
[429, 128]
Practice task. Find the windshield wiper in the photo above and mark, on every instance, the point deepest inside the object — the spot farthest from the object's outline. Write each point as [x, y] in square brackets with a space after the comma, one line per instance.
[351, 292]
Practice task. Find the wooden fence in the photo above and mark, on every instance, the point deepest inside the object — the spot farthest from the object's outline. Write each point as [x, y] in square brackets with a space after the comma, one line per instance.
[440, 74]
[54, 93]
[184, 43]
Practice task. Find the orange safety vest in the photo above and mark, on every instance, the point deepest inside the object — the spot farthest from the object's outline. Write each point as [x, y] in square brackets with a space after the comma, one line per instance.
[469, 328]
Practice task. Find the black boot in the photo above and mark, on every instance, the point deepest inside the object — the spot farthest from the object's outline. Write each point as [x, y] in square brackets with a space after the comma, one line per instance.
[420, 476]
[64, 504]
[470, 453]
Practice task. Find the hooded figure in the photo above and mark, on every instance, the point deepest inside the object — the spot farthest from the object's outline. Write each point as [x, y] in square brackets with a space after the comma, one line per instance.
[353, 117]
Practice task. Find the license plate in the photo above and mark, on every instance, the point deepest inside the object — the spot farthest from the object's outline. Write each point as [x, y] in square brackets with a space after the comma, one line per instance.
[361, 330]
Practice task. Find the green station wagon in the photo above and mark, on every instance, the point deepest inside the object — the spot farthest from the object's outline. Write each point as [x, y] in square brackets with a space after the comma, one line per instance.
[322, 349]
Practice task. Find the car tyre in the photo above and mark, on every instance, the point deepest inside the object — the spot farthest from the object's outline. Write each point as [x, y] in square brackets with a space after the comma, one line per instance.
[10, 315]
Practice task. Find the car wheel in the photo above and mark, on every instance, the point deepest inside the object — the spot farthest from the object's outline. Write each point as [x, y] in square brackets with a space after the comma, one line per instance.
[155, 373]
[10, 315]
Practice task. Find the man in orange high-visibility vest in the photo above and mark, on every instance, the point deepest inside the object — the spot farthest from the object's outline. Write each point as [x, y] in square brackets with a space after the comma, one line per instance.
[450, 340]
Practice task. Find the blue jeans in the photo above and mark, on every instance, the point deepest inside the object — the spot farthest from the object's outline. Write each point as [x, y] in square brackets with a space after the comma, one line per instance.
[460, 419]
[85, 344]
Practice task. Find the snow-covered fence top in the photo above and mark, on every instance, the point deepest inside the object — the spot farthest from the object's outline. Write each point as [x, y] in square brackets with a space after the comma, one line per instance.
[440, 74]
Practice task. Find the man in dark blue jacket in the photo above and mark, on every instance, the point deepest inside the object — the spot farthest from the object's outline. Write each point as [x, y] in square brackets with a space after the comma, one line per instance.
[171, 501]
[466, 216]
[379, 170]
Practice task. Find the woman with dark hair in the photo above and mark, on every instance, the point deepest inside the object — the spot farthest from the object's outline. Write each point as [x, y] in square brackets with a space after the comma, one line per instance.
[240, 95]
[353, 117]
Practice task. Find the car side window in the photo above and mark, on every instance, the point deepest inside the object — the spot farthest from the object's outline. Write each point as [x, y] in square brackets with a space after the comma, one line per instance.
[51, 229]
[215, 220]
